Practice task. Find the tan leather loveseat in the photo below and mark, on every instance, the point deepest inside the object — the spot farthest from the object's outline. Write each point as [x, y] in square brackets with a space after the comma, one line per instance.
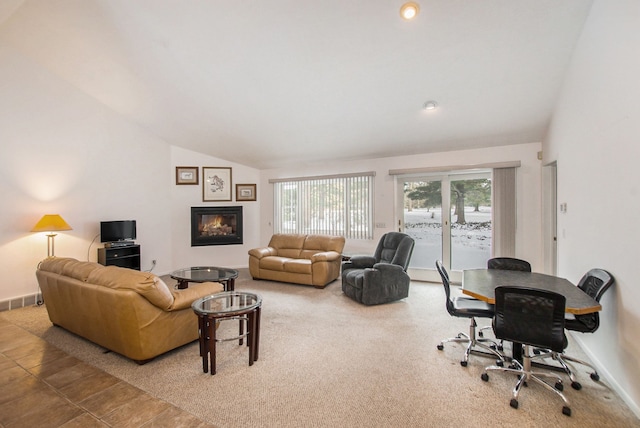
[299, 259]
[126, 311]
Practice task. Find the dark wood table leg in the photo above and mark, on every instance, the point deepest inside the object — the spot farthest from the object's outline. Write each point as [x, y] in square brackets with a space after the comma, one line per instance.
[212, 345]
[231, 285]
[256, 338]
[202, 339]
[182, 284]
[251, 321]
[249, 324]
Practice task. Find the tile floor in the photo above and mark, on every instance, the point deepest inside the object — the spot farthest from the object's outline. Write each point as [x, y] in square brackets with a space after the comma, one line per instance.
[44, 387]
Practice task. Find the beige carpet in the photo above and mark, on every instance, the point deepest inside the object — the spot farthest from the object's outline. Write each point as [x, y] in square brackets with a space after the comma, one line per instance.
[326, 361]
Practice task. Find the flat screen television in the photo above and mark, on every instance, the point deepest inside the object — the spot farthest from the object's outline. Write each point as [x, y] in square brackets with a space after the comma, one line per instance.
[120, 230]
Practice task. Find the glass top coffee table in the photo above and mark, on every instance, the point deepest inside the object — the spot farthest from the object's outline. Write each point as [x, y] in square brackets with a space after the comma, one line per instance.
[228, 305]
[225, 276]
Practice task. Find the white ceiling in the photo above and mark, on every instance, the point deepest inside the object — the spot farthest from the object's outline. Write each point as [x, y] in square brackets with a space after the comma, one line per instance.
[277, 82]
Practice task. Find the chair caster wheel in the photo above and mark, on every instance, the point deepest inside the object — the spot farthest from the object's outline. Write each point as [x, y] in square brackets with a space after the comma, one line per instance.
[514, 403]
[595, 376]
[481, 334]
[566, 411]
[500, 348]
[484, 377]
[440, 347]
[499, 363]
[576, 385]
[463, 363]
[559, 386]
[536, 351]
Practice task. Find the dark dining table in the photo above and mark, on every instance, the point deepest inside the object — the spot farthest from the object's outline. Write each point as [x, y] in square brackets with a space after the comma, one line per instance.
[481, 284]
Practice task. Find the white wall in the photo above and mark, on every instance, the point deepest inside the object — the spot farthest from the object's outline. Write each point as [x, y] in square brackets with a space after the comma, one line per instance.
[529, 235]
[594, 138]
[185, 197]
[64, 153]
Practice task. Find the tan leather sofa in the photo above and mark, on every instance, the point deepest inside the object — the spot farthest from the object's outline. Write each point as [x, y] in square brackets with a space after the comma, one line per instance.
[129, 312]
[299, 259]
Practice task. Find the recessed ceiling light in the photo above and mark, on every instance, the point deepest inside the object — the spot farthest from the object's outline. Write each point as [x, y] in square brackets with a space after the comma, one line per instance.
[430, 105]
[409, 10]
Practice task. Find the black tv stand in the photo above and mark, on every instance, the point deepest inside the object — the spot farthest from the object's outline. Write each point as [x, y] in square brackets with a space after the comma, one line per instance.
[126, 256]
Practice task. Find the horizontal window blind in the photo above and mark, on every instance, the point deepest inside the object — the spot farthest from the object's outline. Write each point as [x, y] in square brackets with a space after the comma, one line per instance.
[335, 205]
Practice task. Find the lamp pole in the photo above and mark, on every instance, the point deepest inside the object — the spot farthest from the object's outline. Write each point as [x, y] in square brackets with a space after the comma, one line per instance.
[50, 244]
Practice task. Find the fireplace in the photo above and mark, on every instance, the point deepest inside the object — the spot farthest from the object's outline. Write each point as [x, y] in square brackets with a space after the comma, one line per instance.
[216, 226]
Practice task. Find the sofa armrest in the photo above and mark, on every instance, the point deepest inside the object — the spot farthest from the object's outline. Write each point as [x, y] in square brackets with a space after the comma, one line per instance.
[326, 256]
[263, 252]
[185, 297]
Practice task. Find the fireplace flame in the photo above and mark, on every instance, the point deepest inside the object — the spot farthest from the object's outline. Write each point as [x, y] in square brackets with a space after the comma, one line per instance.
[216, 226]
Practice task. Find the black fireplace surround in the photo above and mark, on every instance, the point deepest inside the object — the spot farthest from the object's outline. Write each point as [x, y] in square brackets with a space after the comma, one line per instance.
[216, 226]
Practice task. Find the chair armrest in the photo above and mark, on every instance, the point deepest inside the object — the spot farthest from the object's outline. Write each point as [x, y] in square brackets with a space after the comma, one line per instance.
[388, 268]
[263, 252]
[185, 297]
[360, 262]
[384, 272]
[326, 256]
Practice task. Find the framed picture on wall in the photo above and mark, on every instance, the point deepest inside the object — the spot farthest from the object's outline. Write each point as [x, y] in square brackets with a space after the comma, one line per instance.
[245, 192]
[216, 184]
[187, 175]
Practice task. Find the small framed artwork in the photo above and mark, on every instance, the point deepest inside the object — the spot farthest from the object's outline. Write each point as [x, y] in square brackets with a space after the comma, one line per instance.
[245, 192]
[186, 175]
[216, 184]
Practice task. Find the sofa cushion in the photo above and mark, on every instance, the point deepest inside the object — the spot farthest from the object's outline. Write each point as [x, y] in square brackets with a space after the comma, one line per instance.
[55, 264]
[80, 270]
[320, 243]
[287, 245]
[298, 266]
[273, 262]
[144, 283]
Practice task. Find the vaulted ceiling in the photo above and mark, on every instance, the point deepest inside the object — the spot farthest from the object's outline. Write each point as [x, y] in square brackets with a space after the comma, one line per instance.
[276, 82]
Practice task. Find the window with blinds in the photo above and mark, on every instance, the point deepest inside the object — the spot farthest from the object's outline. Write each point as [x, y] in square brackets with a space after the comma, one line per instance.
[332, 205]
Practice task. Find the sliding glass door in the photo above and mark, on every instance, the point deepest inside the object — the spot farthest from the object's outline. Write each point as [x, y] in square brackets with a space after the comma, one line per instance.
[449, 216]
[423, 219]
[471, 229]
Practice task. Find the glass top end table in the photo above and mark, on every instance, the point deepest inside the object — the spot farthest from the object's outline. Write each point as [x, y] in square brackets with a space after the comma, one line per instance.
[225, 276]
[228, 305]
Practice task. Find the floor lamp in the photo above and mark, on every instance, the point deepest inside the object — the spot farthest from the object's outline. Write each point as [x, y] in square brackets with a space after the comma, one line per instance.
[49, 223]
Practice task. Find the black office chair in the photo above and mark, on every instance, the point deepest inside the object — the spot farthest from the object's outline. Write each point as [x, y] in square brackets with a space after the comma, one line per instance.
[381, 278]
[532, 317]
[505, 263]
[508, 263]
[594, 283]
[467, 307]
